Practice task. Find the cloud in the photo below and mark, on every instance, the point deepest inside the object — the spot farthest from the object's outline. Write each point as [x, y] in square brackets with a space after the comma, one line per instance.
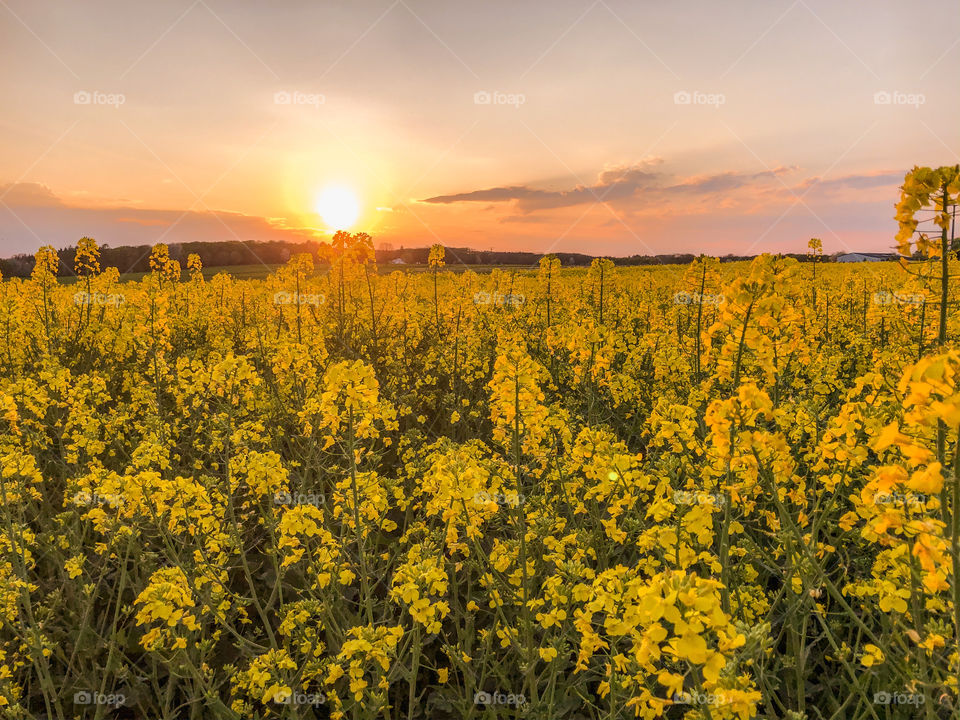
[31, 215]
[609, 187]
[146, 222]
[614, 185]
[28, 195]
[864, 181]
[620, 173]
[498, 194]
[726, 181]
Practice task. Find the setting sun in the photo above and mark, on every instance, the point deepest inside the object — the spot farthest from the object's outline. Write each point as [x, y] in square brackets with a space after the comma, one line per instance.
[338, 206]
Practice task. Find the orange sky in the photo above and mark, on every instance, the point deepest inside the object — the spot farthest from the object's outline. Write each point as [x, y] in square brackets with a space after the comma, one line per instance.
[603, 127]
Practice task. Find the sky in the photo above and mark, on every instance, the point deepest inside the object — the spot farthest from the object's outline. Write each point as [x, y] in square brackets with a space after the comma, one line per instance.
[599, 126]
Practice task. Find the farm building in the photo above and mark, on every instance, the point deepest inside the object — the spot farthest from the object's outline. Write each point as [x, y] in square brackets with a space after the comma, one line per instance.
[866, 257]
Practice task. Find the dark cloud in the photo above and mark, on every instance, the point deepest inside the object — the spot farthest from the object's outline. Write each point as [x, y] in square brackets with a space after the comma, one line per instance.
[499, 194]
[618, 184]
[612, 184]
[724, 182]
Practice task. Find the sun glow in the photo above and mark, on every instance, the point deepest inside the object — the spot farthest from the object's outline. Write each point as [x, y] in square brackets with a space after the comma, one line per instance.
[338, 206]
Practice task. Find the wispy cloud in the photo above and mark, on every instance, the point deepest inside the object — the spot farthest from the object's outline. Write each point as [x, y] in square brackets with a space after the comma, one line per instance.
[28, 194]
[856, 182]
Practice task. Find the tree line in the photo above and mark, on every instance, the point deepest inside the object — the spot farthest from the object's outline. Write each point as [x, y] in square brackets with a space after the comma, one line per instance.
[135, 258]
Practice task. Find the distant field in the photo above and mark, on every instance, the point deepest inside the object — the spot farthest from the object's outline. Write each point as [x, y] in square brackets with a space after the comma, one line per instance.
[260, 271]
[241, 272]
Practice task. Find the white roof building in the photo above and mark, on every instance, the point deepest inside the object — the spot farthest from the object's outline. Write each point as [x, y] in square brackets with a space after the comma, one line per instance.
[866, 257]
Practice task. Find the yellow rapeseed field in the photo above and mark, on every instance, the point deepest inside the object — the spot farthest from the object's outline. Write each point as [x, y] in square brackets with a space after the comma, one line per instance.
[713, 491]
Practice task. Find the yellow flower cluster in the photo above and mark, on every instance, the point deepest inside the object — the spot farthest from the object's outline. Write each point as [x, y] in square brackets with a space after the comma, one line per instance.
[365, 657]
[725, 490]
[417, 584]
[663, 627]
[168, 604]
